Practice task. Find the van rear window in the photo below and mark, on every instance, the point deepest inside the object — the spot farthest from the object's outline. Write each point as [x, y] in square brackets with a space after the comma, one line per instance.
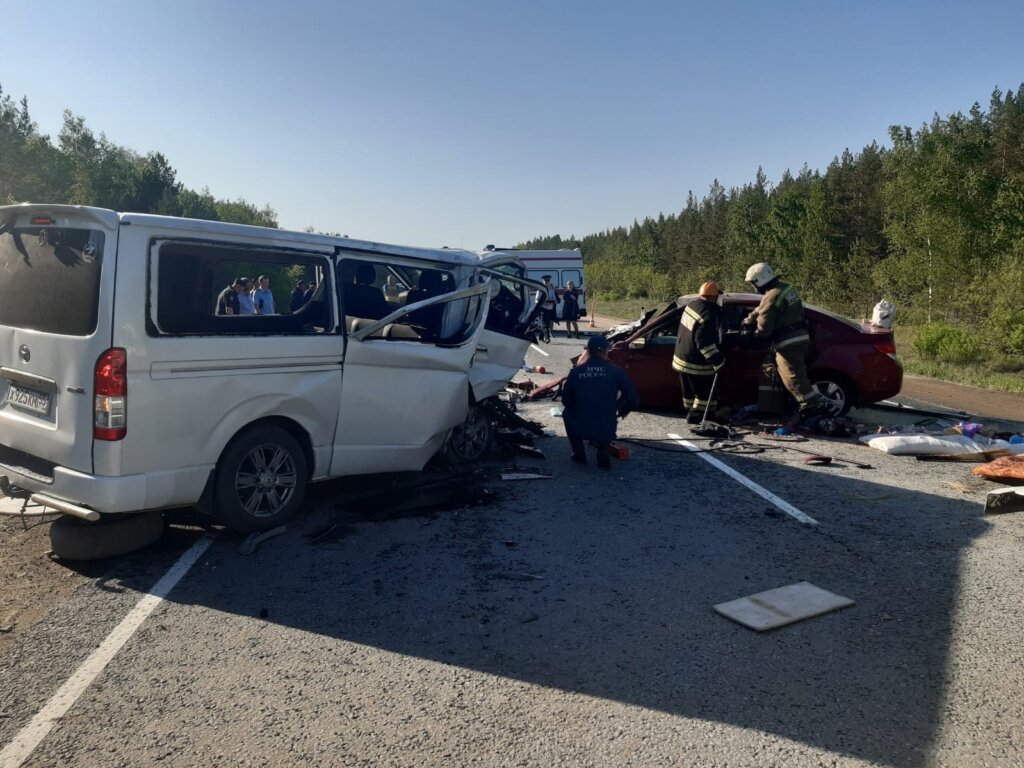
[50, 279]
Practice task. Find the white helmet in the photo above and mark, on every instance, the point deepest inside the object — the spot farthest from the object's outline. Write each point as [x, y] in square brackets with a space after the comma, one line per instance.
[760, 274]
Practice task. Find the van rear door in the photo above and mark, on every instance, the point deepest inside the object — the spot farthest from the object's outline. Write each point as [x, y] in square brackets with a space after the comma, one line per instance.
[56, 299]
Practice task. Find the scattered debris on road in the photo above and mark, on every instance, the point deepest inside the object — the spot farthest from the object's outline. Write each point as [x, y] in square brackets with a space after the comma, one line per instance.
[1004, 500]
[1007, 469]
[253, 540]
[781, 606]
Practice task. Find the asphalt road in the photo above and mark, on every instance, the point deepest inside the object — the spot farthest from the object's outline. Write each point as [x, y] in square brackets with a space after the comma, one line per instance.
[562, 622]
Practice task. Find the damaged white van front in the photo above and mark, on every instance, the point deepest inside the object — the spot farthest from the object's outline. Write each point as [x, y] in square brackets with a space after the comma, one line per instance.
[136, 372]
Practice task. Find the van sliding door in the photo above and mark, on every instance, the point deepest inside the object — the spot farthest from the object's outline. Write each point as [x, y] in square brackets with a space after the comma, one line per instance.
[402, 392]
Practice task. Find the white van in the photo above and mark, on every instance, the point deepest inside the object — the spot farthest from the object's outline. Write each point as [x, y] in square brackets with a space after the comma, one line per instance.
[564, 265]
[132, 376]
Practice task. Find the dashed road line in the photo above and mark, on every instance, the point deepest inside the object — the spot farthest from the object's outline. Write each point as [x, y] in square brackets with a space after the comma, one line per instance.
[764, 493]
[29, 737]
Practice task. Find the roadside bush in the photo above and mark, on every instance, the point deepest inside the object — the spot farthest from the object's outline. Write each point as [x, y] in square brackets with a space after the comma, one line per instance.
[1014, 339]
[944, 343]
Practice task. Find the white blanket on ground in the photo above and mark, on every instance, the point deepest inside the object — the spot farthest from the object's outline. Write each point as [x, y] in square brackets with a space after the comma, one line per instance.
[930, 445]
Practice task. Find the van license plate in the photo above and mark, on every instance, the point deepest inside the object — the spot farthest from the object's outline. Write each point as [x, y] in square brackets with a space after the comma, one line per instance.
[37, 402]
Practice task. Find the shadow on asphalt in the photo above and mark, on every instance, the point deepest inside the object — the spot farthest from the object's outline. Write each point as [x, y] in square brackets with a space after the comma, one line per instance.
[563, 586]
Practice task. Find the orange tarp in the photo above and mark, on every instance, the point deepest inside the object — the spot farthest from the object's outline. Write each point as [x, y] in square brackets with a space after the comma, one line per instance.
[1008, 469]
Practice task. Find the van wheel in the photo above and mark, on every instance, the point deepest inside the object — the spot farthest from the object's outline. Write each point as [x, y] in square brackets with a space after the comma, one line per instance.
[471, 439]
[72, 538]
[260, 481]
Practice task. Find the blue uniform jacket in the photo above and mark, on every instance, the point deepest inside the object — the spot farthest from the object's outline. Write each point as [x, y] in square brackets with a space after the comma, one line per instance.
[591, 399]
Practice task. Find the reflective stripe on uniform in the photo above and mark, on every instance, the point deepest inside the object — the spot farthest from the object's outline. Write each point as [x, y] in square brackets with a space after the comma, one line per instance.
[800, 338]
[690, 318]
[685, 366]
[709, 350]
[693, 369]
[783, 295]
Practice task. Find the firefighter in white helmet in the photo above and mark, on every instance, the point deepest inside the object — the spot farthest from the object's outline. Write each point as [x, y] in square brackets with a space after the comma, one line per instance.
[780, 317]
[698, 356]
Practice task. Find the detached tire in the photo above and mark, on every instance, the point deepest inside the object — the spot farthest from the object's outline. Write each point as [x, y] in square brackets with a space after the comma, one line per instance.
[72, 538]
[261, 479]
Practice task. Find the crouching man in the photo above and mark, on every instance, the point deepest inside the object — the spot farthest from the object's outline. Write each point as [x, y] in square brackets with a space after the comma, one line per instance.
[594, 394]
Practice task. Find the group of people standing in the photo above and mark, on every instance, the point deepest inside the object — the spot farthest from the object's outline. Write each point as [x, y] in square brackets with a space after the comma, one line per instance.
[597, 392]
[549, 298]
[242, 297]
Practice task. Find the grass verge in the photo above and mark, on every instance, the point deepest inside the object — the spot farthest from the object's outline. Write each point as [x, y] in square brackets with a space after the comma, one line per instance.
[622, 309]
[984, 373]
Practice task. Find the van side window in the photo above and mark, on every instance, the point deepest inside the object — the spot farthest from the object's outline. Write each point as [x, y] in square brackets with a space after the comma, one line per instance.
[372, 290]
[573, 276]
[212, 290]
[538, 274]
[509, 302]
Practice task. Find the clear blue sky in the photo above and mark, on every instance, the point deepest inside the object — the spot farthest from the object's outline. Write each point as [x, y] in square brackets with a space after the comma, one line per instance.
[466, 122]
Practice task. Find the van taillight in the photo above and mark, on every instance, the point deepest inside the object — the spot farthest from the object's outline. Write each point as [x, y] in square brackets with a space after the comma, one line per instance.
[887, 347]
[110, 395]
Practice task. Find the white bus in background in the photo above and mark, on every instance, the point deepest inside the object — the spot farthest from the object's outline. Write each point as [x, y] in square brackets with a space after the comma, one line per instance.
[564, 265]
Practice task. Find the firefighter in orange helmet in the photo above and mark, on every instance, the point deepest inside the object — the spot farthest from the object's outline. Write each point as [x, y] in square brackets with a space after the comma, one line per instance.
[697, 355]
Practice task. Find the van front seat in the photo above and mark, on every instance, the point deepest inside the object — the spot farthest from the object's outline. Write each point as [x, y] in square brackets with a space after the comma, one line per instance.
[430, 284]
[362, 299]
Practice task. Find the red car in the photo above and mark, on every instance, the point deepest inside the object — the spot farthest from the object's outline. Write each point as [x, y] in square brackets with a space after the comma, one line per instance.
[850, 363]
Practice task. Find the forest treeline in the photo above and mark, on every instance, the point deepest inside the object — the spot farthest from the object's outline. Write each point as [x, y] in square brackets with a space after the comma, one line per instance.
[934, 223]
[84, 169]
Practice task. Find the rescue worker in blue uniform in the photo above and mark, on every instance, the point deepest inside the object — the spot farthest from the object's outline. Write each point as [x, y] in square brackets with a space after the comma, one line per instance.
[594, 394]
[697, 355]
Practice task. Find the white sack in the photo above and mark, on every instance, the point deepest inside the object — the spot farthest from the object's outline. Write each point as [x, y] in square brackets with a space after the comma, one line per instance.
[922, 445]
[883, 314]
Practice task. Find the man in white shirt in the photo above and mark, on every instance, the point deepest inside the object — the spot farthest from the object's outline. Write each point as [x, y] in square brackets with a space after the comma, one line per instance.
[547, 297]
[245, 305]
[262, 297]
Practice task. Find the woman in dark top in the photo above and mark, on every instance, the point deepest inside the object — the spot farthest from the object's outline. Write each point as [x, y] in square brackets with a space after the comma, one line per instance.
[571, 310]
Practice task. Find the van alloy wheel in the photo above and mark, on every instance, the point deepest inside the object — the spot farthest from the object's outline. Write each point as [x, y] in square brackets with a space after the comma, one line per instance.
[260, 481]
[470, 440]
[265, 480]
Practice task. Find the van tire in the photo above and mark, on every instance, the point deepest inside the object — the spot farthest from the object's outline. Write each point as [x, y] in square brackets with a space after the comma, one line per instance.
[260, 480]
[72, 538]
[469, 441]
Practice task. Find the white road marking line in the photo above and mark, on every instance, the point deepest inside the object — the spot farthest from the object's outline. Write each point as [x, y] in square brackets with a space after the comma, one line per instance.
[782, 504]
[534, 346]
[29, 737]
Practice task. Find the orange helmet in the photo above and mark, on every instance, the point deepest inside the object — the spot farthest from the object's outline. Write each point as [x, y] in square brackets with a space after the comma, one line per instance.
[710, 290]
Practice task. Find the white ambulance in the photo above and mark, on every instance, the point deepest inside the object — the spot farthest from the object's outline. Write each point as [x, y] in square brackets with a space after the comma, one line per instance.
[564, 265]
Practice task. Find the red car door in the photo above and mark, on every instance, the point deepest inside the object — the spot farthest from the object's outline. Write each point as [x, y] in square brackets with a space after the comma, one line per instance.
[738, 381]
[650, 369]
